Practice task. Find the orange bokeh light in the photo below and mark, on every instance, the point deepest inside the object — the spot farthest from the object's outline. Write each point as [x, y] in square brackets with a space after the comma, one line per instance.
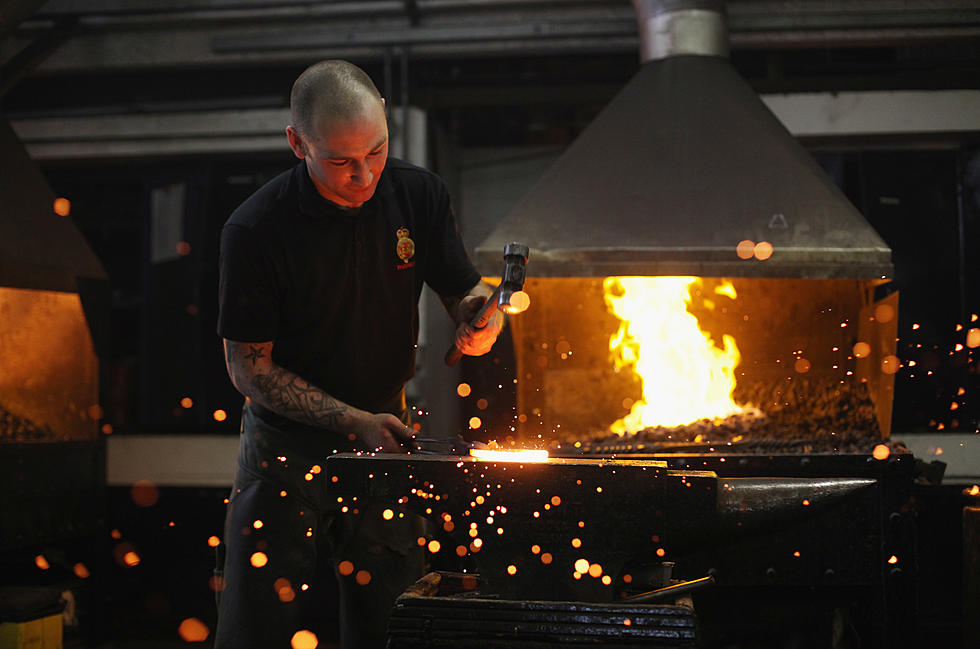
[511, 569]
[193, 630]
[220, 415]
[81, 571]
[434, 546]
[475, 422]
[519, 302]
[762, 250]
[214, 541]
[861, 349]
[881, 452]
[304, 640]
[186, 402]
[463, 389]
[62, 206]
[259, 559]
[973, 338]
[745, 249]
[131, 559]
[363, 577]
[345, 568]
[41, 562]
[890, 364]
[388, 514]
[884, 313]
[144, 493]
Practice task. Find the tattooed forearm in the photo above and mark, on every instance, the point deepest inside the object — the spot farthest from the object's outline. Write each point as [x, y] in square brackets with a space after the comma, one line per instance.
[291, 396]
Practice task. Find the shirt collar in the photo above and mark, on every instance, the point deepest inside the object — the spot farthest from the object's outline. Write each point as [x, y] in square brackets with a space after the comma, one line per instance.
[311, 203]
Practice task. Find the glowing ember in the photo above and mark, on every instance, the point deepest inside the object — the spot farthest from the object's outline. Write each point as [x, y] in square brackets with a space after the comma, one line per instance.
[508, 456]
[685, 376]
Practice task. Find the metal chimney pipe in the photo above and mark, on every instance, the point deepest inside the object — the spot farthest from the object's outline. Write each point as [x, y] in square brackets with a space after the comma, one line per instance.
[681, 27]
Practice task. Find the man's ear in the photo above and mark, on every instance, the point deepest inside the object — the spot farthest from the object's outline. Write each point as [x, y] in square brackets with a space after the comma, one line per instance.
[295, 142]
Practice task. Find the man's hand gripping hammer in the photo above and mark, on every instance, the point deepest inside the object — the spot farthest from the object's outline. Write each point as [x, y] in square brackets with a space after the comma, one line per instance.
[509, 296]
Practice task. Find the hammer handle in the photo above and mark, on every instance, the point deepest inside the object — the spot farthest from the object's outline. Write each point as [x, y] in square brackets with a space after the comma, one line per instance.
[478, 321]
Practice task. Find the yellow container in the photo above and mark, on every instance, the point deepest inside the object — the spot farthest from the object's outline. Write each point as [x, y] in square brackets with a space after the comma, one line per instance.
[42, 633]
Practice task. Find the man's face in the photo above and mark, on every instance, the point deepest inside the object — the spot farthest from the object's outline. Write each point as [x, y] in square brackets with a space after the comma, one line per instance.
[345, 158]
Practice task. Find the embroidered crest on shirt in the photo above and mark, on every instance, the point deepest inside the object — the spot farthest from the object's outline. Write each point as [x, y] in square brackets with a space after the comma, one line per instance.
[405, 248]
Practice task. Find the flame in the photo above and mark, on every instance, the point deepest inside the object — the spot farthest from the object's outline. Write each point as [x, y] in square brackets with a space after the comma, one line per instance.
[509, 456]
[685, 376]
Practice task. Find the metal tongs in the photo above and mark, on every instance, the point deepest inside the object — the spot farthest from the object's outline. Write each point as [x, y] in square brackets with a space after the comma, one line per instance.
[444, 445]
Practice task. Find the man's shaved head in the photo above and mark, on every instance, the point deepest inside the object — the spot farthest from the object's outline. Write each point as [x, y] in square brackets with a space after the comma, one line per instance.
[328, 92]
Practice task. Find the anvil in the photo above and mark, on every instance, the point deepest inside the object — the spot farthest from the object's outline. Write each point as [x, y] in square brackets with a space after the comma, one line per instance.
[564, 528]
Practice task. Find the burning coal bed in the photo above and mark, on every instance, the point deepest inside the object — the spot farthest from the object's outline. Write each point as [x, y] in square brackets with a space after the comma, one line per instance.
[805, 416]
[19, 429]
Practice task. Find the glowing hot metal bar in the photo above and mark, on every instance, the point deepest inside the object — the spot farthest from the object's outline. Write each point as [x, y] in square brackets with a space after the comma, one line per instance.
[508, 456]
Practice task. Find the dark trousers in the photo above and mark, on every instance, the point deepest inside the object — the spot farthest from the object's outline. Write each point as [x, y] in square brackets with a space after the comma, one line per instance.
[284, 537]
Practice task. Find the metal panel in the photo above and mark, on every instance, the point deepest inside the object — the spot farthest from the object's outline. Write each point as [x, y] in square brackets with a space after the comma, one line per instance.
[38, 248]
[681, 166]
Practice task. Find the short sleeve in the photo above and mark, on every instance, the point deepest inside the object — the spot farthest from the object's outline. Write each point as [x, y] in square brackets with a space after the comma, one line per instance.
[248, 300]
[450, 271]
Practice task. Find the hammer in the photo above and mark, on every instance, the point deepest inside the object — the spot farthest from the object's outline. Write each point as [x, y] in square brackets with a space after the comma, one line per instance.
[509, 295]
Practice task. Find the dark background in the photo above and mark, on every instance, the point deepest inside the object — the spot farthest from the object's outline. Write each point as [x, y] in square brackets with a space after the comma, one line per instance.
[922, 196]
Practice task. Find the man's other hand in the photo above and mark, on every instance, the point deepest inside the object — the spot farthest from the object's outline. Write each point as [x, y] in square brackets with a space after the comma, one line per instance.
[470, 340]
[383, 432]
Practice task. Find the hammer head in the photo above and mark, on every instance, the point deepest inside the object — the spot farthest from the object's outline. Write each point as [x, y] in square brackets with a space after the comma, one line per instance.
[512, 298]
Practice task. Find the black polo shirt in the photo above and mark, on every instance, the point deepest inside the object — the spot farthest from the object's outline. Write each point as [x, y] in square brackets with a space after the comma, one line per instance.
[337, 291]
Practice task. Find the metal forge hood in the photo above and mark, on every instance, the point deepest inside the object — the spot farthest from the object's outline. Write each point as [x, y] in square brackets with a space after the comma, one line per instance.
[682, 165]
